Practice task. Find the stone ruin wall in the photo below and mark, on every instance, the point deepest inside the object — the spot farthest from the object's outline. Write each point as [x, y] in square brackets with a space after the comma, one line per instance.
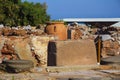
[32, 48]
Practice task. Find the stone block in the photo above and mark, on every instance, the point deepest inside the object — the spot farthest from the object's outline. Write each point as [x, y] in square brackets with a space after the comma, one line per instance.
[23, 50]
[40, 46]
[72, 52]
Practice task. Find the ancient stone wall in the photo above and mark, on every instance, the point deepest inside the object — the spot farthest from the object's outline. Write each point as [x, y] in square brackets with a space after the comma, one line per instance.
[32, 48]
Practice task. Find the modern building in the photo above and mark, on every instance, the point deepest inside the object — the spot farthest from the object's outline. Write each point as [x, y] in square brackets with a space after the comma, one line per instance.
[93, 21]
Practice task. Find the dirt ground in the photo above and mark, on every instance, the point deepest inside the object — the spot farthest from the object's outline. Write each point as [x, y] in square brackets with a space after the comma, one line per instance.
[74, 75]
[108, 71]
[102, 72]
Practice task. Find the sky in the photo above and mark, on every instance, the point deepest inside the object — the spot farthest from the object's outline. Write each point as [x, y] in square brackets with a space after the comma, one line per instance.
[59, 9]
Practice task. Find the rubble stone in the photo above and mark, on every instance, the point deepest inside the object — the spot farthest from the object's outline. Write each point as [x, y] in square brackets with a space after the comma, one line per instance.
[78, 34]
[110, 48]
[2, 41]
[32, 48]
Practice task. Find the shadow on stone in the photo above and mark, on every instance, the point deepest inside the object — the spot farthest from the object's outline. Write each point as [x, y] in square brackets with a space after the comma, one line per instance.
[51, 54]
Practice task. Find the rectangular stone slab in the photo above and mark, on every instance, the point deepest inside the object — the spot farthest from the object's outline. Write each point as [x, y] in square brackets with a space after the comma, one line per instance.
[72, 52]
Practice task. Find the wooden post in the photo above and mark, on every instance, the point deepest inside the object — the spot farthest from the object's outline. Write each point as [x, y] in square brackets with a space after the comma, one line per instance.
[99, 50]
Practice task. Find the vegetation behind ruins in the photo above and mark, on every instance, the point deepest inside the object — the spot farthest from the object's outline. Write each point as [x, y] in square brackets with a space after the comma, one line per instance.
[18, 13]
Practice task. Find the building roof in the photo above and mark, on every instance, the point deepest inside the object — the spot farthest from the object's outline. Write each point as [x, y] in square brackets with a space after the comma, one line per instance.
[116, 25]
[91, 19]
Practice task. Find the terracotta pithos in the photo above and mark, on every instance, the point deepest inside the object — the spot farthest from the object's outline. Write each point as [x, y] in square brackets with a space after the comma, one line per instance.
[57, 29]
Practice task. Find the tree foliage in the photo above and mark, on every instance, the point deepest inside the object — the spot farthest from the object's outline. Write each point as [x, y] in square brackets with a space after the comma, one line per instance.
[16, 12]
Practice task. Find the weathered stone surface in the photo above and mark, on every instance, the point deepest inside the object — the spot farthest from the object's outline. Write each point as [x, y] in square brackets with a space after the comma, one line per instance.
[106, 43]
[65, 53]
[40, 45]
[22, 48]
[8, 47]
[32, 48]
[110, 48]
[0, 31]
[2, 41]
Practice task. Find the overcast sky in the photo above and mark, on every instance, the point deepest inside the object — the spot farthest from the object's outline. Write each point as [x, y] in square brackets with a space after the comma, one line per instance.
[58, 9]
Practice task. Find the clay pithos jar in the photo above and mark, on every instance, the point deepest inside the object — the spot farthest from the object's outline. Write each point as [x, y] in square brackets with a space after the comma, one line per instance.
[57, 29]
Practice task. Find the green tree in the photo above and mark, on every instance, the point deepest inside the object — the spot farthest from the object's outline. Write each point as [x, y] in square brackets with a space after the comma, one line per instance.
[15, 12]
[34, 13]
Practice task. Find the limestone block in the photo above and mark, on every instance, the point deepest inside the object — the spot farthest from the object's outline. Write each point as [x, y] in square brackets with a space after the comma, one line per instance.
[40, 46]
[72, 52]
[22, 48]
